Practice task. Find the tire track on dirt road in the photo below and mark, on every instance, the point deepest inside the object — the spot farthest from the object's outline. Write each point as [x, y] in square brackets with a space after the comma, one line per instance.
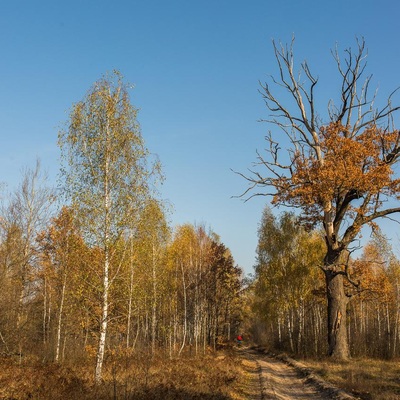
[280, 381]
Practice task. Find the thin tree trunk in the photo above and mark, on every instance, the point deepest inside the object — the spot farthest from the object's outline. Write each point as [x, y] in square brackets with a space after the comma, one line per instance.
[395, 334]
[279, 331]
[184, 310]
[215, 326]
[60, 315]
[129, 318]
[44, 310]
[388, 331]
[290, 331]
[154, 304]
[300, 316]
[316, 328]
[396, 323]
[379, 324]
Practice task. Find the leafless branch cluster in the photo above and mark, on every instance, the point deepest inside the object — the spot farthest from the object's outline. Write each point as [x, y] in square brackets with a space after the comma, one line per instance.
[301, 124]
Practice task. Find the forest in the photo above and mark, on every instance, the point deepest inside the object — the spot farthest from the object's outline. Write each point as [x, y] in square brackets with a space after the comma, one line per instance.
[92, 273]
[289, 301]
[102, 298]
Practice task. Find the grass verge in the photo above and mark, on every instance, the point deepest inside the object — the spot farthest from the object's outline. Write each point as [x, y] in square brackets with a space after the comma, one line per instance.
[365, 378]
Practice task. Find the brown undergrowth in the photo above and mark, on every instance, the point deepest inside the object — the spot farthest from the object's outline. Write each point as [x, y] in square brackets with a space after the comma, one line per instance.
[366, 378]
[139, 376]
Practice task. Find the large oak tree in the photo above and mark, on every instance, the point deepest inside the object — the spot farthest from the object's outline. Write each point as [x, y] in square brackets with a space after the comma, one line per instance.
[338, 171]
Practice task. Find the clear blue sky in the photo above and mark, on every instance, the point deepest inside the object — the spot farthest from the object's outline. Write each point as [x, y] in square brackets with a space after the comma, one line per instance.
[195, 66]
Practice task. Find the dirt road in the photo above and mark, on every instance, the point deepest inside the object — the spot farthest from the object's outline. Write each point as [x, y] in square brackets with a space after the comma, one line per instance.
[270, 378]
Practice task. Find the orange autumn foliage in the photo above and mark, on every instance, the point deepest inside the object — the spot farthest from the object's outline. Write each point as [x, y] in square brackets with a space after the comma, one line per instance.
[373, 272]
[358, 166]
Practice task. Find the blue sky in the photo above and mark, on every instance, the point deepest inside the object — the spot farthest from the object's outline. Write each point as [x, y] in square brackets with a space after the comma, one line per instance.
[196, 67]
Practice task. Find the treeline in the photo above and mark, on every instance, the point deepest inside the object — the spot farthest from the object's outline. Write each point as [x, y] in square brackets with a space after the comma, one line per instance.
[288, 298]
[105, 274]
[170, 290]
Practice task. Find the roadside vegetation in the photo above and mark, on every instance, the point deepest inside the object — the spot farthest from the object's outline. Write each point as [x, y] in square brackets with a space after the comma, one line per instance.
[368, 379]
[138, 376]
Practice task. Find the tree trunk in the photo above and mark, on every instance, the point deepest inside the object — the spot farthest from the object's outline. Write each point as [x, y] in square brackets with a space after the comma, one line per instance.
[290, 330]
[103, 324]
[279, 331]
[106, 266]
[130, 298]
[316, 326]
[44, 309]
[396, 324]
[154, 303]
[60, 316]
[184, 311]
[338, 347]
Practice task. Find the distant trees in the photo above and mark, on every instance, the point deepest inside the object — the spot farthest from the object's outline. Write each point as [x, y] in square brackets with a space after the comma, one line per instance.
[24, 215]
[207, 282]
[175, 291]
[288, 299]
[62, 255]
[286, 279]
[374, 329]
[338, 170]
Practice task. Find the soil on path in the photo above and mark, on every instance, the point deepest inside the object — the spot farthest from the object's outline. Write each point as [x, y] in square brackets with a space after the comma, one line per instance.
[269, 378]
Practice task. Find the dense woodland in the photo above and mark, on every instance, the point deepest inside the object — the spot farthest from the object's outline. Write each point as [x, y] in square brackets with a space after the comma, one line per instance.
[170, 290]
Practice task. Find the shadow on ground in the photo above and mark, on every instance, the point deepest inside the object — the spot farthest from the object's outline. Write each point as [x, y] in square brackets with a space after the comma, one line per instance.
[171, 393]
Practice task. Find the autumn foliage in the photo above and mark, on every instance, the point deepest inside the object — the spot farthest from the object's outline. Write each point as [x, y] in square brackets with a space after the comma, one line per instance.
[350, 166]
[339, 171]
[104, 277]
[174, 295]
[287, 297]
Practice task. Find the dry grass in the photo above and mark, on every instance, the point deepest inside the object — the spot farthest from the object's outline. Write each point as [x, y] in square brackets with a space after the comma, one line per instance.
[366, 378]
[211, 377]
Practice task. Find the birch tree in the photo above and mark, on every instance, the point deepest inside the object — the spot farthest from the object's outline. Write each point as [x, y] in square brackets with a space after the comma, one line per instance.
[338, 170]
[105, 173]
[153, 233]
[286, 275]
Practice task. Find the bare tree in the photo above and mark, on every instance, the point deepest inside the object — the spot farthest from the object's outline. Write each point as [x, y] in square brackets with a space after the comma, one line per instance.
[338, 172]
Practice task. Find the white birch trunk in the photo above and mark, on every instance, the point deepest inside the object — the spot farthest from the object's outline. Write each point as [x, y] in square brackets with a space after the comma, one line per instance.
[154, 303]
[60, 315]
[184, 311]
[128, 322]
[44, 310]
[103, 324]
[106, 266]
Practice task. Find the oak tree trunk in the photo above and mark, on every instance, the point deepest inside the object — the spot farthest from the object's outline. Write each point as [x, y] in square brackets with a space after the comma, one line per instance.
[338, 347]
